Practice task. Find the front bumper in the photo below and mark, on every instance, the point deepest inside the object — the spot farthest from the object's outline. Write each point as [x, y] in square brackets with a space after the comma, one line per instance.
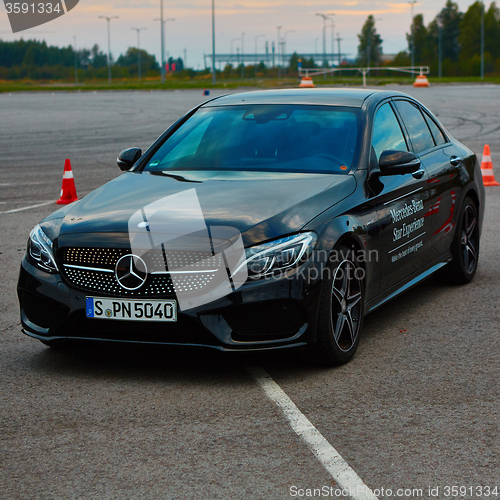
[267, 314]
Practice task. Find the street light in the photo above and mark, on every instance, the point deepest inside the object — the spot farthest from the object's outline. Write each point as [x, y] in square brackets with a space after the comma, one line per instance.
[74, 50]
[482, 41]
[242, 57]
[284, 49]
[412, 3]
[162, 35]
[325, 17]
[139, 48]
[256, 54]
[333, 37]
[213, 42]
[278, 47]
[440, 45]
[109, 44]
[340, 53]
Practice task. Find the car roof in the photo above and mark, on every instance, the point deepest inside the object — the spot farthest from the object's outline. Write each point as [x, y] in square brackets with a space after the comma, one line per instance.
[324, 97]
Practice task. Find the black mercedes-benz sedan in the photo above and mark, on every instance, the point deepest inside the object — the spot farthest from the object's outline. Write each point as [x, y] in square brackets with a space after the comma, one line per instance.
[260, 220]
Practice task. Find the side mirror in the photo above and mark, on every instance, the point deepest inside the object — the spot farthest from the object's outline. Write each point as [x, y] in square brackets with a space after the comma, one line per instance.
[398, 163]
[128, 157]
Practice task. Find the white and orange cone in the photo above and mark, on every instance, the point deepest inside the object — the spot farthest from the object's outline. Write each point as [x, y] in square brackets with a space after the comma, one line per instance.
[487, 168]
[421, 81]
[68, 190]
[306, 83]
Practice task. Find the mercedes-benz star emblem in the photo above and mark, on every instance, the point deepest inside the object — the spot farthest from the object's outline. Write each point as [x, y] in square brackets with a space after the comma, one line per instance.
[131, 272]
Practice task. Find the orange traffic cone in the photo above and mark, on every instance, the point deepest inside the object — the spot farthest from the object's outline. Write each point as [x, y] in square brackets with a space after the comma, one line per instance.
[68, 191]
[487, 168]
[306, 83]
[421, 81]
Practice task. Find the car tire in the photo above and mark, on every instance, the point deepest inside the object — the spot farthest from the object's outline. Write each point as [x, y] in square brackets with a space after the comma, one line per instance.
[464, 248]
[340, 317]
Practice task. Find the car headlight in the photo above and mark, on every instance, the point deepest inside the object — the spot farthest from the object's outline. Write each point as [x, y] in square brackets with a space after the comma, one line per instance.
[275, 256]
[41, 250]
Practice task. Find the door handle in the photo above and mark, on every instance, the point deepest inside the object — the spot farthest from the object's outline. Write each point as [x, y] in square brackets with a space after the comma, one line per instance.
[418, 174]
[455, 161]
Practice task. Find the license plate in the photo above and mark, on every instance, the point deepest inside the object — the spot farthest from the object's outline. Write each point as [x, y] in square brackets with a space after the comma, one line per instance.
[131, 310]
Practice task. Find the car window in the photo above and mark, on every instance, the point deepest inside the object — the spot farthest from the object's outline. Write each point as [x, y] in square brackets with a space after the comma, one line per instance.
[288, 138]
[418, 130]
[439, 138]
[387, 134]
[187, 144]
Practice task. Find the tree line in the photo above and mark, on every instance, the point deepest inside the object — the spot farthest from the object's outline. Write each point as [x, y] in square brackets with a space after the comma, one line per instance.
[36, 60]
[453, 34]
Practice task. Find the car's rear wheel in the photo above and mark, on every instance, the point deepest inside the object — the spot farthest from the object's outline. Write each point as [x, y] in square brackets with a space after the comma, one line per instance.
[341, 309]
[465, 247]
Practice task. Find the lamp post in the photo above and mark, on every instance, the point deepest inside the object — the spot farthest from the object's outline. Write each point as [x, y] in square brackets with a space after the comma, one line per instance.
[440, 50]
[213, 42]
[325, 17]
[232, 41]
[236, 59]
[108, 19]
[139, 49]
[256, 53]
[333, 37]
[74, 50]
[482, 41]
[369, 49]
[242, 56]
[162, 42]
[412, 3]
[284, 49]
[278, 48]
[340, 54]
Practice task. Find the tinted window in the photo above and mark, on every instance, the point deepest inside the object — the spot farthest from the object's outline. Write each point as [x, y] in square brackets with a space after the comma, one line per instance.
[263, 137]
[387, 133]
[420, 135]
[439, 138]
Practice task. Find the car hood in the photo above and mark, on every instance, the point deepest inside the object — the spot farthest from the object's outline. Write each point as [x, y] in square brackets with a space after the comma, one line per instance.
[260, 205]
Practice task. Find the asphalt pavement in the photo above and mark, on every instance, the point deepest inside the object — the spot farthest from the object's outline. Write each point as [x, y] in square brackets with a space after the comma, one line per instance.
[417, 408]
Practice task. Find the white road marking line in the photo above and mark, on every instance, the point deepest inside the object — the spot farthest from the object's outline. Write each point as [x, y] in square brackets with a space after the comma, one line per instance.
[27, 208]
[339, 469]
[35, 183]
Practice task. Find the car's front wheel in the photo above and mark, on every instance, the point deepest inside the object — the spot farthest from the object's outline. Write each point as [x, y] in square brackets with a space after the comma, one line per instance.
[341, 309]
[465, 247]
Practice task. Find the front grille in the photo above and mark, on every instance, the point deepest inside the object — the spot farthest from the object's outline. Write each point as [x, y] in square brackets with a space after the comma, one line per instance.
[93, 270]
[184, 331]
[41, 311]
[276, 319]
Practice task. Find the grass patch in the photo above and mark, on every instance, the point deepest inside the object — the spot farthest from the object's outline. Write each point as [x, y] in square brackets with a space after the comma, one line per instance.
[206, 83]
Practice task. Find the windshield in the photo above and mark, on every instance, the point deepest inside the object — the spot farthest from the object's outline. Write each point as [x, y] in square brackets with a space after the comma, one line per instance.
[272, 138]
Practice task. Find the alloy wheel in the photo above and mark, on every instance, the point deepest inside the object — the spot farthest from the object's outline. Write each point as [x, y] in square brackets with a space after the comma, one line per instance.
[346, 305]
[469, 239]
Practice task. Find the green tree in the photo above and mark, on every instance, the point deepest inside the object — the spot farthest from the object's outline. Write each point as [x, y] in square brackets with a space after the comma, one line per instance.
[97, 58]
[470, 32]
[450, 17]
[370, 44]
[422, 40]
[492, 31]
[402, 59]
[131, 58]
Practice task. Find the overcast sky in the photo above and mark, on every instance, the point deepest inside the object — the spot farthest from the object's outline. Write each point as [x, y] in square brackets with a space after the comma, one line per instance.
[191, 29]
